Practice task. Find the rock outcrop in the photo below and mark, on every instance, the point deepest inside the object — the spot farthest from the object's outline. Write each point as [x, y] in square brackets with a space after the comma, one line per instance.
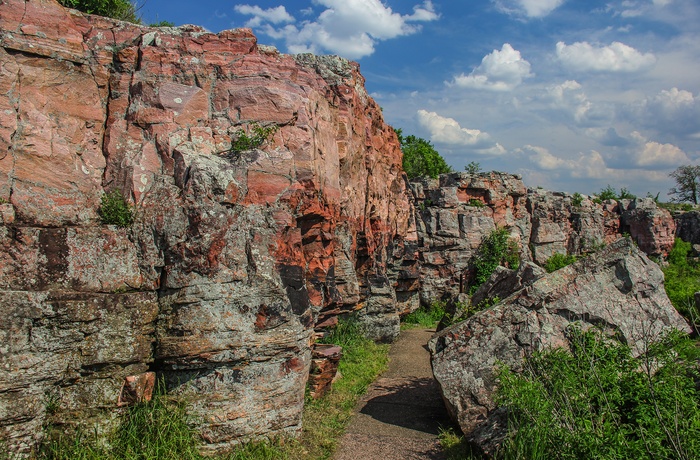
[617, 289]
[234, 257]
[688, 227]
[457, 210]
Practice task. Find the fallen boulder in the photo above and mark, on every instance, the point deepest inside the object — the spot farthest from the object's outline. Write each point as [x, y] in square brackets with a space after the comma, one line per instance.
[617, 289]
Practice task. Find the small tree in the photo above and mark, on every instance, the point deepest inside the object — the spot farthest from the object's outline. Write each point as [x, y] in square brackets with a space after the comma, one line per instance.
[687, 179]
[473, 167]
[420, 157]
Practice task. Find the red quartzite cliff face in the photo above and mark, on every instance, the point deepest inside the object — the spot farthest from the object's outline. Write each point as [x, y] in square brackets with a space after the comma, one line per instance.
[233, 258]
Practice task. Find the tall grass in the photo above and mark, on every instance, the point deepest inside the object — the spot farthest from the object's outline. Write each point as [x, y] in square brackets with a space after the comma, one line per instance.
[682, 281]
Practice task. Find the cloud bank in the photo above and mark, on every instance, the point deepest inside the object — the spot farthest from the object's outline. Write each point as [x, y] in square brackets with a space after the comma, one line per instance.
[350, 28]
[616, 57]
[447, 131]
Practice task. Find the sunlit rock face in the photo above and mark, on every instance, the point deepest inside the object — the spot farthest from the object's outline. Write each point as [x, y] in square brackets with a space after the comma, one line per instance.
[455, 211]
[233, 258]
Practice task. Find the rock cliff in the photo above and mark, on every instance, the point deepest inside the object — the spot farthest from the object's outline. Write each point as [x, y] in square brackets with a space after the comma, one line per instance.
[233, 258]
[455, 211]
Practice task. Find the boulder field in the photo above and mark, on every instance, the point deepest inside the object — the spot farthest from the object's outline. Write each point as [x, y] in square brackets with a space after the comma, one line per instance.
[235, 259]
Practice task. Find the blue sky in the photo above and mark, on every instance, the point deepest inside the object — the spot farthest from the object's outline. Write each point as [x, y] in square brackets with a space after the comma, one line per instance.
[572, 94]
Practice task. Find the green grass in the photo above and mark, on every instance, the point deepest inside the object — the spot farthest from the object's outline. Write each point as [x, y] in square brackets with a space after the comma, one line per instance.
[158, 430]
[454, 445]
[116, 210]
[682, 281]
[426, 317]
[558, 261]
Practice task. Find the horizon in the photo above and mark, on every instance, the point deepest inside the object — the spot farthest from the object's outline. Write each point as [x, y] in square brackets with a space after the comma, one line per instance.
[572, 97]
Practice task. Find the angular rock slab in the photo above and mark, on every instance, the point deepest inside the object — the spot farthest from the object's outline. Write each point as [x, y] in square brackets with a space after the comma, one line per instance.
[618, 289]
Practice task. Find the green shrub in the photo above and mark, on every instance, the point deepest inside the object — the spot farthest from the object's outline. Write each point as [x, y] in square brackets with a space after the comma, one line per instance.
[473, 167]
[597, 401]
[476, 203]
[115, 210]
[608, 193]
[558, 261]
[426, 317]
[123, 10]
[577, 199]
[496, 248]
[682, 281]
[256, 136]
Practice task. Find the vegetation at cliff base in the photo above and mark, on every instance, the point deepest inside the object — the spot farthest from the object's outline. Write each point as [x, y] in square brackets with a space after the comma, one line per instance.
[426, 316]
[682, 280]
[159, 430]
[420, 157]
[598, 401]
[123, 10]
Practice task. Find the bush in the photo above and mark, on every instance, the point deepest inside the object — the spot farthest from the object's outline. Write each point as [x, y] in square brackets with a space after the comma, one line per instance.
[256, 137]
[473, 167]
[682, 281]
[558, 261]
[115, 210]
[577, 199]
[496, 248]
[123, 10]
[597, 401]
[427, 317]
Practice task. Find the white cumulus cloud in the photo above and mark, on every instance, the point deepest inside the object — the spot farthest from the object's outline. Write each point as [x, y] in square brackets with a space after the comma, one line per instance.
[350, 28]
[501, 70]
[446, 130]
[275, 15]
[528, 8]
[654, 154]
[616, 57]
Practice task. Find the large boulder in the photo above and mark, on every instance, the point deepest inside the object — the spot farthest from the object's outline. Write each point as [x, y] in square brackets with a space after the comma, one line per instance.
[617, 289]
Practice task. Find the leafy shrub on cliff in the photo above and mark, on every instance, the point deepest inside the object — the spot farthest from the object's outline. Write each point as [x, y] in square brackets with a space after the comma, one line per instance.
[597, 401]
[496, 248]
[558, 261]
[115, 210]
[255, 137]
[123, 10]
[420, 157]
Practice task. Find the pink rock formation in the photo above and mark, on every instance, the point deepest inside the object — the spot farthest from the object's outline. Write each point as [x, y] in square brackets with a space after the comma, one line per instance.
[233, 256]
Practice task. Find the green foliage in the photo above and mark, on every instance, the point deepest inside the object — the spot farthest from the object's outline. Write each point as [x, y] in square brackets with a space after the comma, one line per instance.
[558, 261]
[454, 445]
[577, 199]
[115, 210]
[598, 401]
[118, 9]
[682, 281]
[420, 157]
[496, 248]
[427, 317]
[163, 24]
[256, 136]
[473, 167]
[625, 194]
[687, 187]
[672, 207]
[608, 193]
[476, 203]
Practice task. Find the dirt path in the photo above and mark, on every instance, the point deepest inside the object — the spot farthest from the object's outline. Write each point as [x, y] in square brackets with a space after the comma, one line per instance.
[400, 416]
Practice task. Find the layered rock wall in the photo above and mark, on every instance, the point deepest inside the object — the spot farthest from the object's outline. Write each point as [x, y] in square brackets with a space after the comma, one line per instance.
[233, 257]
[457, 210]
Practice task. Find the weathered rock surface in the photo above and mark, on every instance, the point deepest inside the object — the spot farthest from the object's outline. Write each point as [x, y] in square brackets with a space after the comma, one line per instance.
[688, 226]
[233, 258]
[455, 211]
[617, 289]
